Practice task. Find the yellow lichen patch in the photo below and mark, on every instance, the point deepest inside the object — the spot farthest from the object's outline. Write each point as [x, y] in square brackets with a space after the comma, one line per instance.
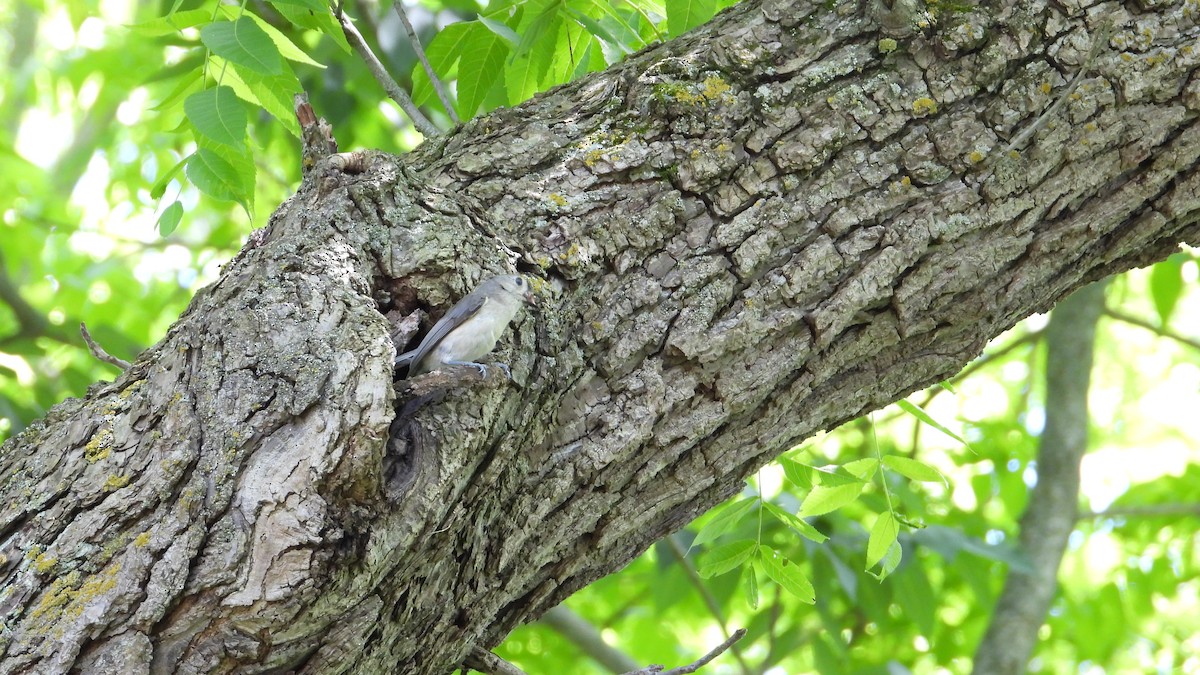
[975, 157]
[45, 563]
[715, 87]
[66, 598]
[924, 106]
[115, 483]
[1045, 87]
[99, 445]
[887, 46]
[558, 199]
[142, 539]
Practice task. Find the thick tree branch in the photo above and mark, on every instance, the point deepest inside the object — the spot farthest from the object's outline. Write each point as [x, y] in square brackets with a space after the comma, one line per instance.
[754, 232]
[1050, 516]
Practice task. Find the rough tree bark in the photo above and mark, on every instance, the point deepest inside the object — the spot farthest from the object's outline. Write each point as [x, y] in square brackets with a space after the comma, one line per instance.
[757, 231]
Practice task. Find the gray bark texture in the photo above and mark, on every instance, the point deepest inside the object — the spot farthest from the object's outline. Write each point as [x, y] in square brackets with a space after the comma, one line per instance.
[1049, 519]
[754, 232]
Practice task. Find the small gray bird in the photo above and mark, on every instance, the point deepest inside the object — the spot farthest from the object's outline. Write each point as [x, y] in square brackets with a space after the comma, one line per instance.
[471, 328]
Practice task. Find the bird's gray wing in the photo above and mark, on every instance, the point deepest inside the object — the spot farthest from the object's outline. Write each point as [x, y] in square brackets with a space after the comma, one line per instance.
[463, 310]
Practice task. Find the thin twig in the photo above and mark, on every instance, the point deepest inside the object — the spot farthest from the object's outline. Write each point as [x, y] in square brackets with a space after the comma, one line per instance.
[385, 80]
[1158, 330]
[486, 662]
[714, 607]
[438, 86]
[695, 665]
[98, 351]
[1150, 510]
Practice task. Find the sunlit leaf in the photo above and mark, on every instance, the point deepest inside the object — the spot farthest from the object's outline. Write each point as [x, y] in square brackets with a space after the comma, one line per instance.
[160, 186]
[482, 59]
[917, 412]
[216, 177]
[443, 52]
[824, 499]
[500, 30]
[797, 473]
[726, 557]
[796, 523]
[785, 573]
[913, 469]
[683, 15]
[169, 220]
[244, 43]
[724, 521]
[883, 535]
[218, 114]
[1166, 286]
[287, 48]
[750, 583]
[172, 23]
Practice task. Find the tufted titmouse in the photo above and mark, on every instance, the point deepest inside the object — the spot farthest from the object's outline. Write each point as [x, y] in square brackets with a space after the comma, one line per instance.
[471, 328]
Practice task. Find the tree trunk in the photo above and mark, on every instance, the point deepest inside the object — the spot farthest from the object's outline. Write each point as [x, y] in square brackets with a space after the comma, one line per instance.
[749, 234]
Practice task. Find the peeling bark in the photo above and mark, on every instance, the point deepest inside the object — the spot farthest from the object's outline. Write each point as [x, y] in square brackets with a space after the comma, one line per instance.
[749, 234]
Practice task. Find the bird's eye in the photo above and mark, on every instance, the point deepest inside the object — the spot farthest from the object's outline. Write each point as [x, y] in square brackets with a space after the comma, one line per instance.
[520, 281]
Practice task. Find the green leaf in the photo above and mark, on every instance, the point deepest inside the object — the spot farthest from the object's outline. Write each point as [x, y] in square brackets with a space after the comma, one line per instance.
[193, 79]
[315, 5]
[824, 499]
[785, 573]
[1166, 286]
[287, 48]
[724, 521]
[500, 30]
[726, 557]
[750, 579]
[883, 535]
[479, 68]
[524, 75]
[683, 15]
[243, 43]
[172, 23]
[169, 219]
[797, 473]
[216, 177]
[891, 560]
[913, 470]
[916, 411]
[160, 186]
[568, 55]
[610, 25]
[796, 523]
[321, 21]
[218, 114]
[863, 469]
[444, 50]
[273, 93]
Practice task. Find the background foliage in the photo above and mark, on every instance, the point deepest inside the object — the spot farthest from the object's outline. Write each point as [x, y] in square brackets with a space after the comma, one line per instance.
[140, 143]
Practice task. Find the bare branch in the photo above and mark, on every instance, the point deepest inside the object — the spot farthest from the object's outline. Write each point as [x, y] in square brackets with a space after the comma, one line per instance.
[1147, 511]
[581, 633]
[394, 91]
[98, 351]
[438, 85]
[1158, 330]
[714, 607]
[697, 664]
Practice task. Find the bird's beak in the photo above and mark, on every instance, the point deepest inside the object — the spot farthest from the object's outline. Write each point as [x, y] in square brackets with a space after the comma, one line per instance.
[530, 297]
